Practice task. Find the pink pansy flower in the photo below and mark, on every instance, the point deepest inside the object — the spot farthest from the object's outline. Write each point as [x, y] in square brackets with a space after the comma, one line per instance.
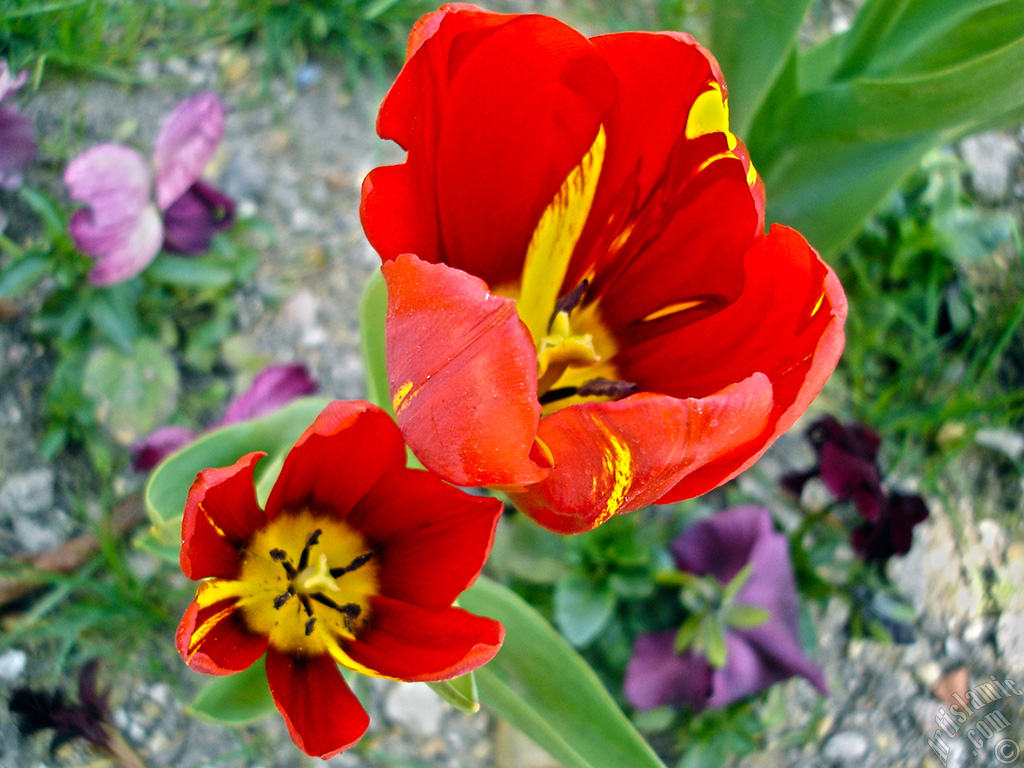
[136, 205]
[17, 135]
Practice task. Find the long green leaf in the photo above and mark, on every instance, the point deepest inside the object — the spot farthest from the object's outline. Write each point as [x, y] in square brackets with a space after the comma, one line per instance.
[275, 434]
[891, 109]
[827, 192]
[372, 311]
[545, 689]
[751, 40]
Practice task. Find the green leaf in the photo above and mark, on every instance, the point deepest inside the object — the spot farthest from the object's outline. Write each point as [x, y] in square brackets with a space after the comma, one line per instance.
[687, 633]
[46, 209]
[203, 272]
[751, 40]
[716, 650]
[275, 434]
[891, 108]
[827, 192]
[545, 689]
[745, 616]
[22, 275]
[113, 313]
[582, 607]
[372, 311]
[162, 539]
[237, 699]
[132, 393]
[461, 692]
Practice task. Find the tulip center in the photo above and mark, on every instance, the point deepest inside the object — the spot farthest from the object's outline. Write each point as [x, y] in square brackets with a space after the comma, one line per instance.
[573, 357]
[309, 575]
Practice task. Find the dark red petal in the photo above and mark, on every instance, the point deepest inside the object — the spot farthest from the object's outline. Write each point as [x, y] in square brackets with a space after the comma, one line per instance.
[226, 646]
[463, 374]
[787, 324]
[528, 85]
[322, 714]
[221, 514]
[406, 642]
[620, 456]
[430, 540]
[342, 454]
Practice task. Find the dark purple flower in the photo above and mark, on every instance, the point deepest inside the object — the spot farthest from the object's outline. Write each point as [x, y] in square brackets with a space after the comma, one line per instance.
[893, 532]
[193, 219]
[135, 205]
[756, 657]
[17, 133]
[272, 389]
[38, 710]
[847, 464]
[160, 443]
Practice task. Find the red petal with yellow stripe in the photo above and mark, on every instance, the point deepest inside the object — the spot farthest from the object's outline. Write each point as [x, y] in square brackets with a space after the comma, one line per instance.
[463, 375]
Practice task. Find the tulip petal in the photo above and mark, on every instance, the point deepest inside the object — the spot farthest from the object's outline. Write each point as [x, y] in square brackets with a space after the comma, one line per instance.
[186, 143]
[221, 514]
[322, 714]
[430, 540]
[407, 642]
[272, 389]
[463, 374]
[213, 639]
[651, 203]
[337, 460]
[787, 324]
[527, 84]
[656, 675]
[620, 456]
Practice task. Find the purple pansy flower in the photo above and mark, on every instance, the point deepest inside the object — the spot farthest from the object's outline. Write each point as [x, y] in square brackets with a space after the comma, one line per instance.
[17, 134]
[136, 205]
[273, 388]
[721, 547]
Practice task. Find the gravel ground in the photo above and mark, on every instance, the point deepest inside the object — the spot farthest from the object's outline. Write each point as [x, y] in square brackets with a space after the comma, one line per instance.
[296, 160]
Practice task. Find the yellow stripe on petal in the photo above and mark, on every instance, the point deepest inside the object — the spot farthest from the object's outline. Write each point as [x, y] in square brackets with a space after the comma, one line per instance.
[673, 309]
[215, 590]
[709, 114]
[751, 175]
[206, 627]
[338, 654]
[555, 238]
[618, 463]
[399, 400]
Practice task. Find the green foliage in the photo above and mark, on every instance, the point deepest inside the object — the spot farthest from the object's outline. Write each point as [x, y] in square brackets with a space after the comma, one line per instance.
[927, 329]
[846, 121]
[105, 37]
[120, 350]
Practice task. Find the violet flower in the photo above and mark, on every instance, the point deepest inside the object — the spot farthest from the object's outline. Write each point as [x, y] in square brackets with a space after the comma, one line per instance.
[135, 205]
[740, 547]
[848, 466]
[17, 134]
[272, 389]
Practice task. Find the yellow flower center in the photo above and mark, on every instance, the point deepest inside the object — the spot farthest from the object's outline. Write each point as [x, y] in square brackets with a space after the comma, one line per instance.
[308, 581]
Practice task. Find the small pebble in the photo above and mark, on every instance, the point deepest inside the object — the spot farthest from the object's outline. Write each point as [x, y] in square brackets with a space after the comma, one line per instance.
[12, 664]
[846, 747]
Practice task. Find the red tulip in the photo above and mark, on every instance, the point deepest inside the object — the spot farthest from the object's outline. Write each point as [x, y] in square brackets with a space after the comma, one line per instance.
[584, 309]
[355, 560]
